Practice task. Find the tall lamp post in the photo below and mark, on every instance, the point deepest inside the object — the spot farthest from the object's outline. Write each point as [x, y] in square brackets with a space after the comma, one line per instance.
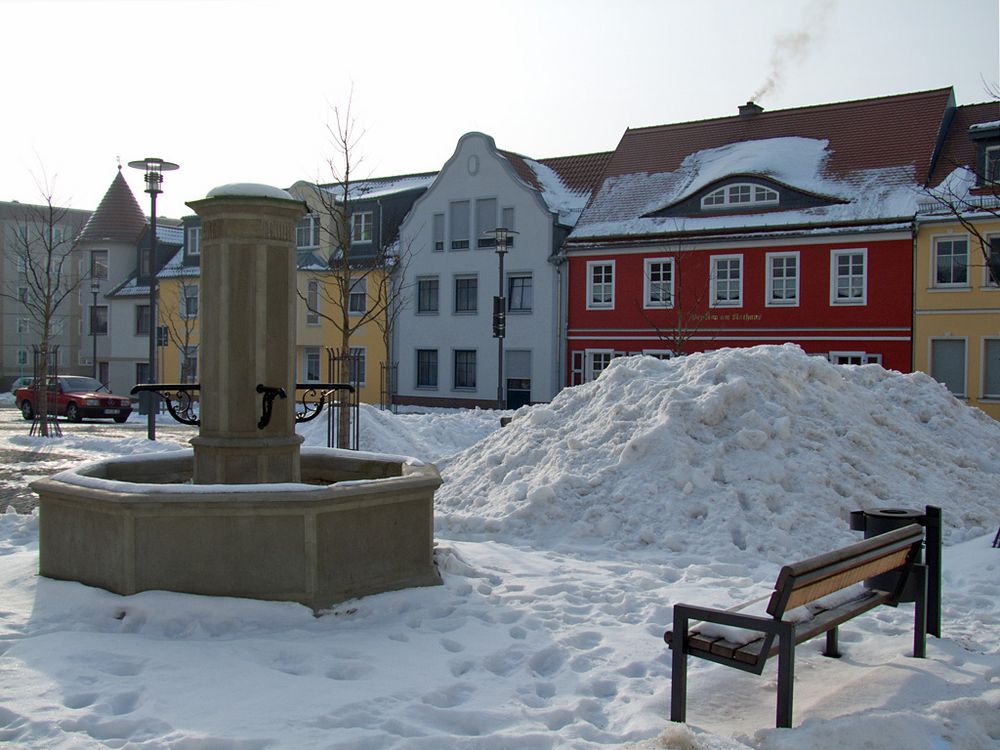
[154, 169]
[95, 287]
[501, 237]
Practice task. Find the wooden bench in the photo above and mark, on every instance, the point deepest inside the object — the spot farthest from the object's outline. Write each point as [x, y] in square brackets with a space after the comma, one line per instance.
[799, 585]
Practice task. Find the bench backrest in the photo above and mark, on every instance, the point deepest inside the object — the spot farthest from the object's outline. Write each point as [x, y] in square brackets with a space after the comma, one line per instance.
[806, 581]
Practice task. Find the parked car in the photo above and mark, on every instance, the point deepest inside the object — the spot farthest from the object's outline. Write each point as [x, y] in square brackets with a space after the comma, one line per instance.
[22, 382]
[76, 398]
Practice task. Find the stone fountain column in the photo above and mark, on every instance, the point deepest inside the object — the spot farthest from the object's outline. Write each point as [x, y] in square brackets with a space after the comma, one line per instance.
[248, 323]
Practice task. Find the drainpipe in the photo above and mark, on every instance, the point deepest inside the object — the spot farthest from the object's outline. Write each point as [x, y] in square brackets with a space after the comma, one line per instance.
[913, 304]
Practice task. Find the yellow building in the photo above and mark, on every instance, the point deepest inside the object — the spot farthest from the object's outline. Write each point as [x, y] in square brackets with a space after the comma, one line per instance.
[957, 263]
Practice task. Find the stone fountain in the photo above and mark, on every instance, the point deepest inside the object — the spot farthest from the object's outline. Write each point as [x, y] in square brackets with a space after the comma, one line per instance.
[247, 511]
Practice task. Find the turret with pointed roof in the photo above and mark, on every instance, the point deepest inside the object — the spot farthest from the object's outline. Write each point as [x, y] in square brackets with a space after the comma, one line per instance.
[118, 218]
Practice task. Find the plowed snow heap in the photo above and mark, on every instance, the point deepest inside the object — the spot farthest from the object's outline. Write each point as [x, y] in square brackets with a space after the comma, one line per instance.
[762, 450]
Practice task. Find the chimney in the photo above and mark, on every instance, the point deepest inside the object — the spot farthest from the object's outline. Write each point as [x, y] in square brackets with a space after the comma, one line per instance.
[750, 109]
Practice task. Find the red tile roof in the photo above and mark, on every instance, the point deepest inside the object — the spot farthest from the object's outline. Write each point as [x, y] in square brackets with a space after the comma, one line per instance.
[118, 218]
[959, 150]
[580, 173]
[865, 134]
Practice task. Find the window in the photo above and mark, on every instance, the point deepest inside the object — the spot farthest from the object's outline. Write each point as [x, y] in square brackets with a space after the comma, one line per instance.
[310, 364]
[438, 229]
[855, 358]
[597, 362]
[142, 320]
[459, 225]
[782, 279]
[427, 295]
[991, 172]
[991, 368]
[312, 303]
[98, 264]
[307, 231]
[948, 364]
[22, 325]
[465, 368]
[194, 241]
[427, 368]
[519, 293]
[357, 303]
[727, 281]
[361, 226]
[189, 308]
[189, 364]
[144, 263]
[951, 261]
[141, 372]
[486, 222]
[507, 221]
[22, 293]
[658, 282]
[466, 294]
[357, 365]
[848, 277]
[600, 285]
[992, 271]
[663, 354]
[22, 356]
[99, 320]
[740, 195]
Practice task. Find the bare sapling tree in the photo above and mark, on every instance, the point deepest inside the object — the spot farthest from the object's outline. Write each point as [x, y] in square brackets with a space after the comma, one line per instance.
[45, 280]
[676, 318]
[353, 286]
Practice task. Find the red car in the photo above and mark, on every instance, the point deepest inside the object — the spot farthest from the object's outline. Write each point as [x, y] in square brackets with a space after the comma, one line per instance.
[76, 398]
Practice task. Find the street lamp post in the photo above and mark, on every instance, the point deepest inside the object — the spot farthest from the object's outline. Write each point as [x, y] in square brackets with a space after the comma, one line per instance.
[154, 169]
[501, 237]
[95, 287]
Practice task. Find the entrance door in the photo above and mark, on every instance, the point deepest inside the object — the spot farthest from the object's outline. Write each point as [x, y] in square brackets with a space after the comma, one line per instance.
[518, 378]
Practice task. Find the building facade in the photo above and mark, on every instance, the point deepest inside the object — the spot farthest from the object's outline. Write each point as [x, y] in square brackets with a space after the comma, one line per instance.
[444, 345]
[762, 228]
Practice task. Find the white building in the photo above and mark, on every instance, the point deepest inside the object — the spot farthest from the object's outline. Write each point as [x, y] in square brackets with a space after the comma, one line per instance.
[443, 340]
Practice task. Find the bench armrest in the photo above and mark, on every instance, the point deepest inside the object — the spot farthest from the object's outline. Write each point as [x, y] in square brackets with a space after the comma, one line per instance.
[684, 613]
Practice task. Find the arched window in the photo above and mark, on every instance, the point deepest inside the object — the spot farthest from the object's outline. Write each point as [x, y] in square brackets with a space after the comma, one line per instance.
[740, 194]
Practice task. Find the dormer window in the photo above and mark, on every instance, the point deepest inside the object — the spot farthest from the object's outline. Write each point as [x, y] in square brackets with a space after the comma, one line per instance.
[992, 171]
[740, 195]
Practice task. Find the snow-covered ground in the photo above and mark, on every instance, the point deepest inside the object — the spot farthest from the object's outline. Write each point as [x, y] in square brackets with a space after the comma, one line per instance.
[563, 540]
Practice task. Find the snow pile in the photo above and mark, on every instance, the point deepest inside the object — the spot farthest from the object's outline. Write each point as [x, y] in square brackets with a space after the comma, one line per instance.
[430, 437]
[763, 450]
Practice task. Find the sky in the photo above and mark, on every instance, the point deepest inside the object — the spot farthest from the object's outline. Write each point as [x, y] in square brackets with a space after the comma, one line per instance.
[245, 91]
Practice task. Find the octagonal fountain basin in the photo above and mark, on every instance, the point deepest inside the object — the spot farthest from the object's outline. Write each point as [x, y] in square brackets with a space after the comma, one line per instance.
[357, 524]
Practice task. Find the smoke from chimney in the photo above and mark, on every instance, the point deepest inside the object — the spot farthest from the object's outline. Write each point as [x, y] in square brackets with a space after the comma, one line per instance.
[794, 47]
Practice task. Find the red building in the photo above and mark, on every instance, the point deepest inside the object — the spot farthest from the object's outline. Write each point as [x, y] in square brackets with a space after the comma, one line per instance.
[763, 228]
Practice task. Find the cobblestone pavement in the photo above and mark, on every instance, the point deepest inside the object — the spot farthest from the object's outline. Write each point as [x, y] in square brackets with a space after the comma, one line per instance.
[21, 464]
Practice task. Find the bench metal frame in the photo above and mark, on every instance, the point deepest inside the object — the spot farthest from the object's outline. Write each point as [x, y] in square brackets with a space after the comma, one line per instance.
[806, 581]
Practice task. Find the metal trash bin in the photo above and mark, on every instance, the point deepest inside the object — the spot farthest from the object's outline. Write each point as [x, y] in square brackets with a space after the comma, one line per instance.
[881, 520]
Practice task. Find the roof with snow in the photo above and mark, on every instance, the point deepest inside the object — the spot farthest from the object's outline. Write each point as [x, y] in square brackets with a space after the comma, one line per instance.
[118, 218]
[565, 182]
[855, 163]
[959, 150]
[380, 187]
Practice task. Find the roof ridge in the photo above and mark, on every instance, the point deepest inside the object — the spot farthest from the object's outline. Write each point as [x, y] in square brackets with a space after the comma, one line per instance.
[847, 104]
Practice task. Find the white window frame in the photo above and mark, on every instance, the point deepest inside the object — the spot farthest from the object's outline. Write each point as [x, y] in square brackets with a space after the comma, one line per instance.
[186, 297]
[591, 266]
[437, 233]
[437, 297]
[647, 284]
[474, 310]
[437, 371]
[713, 300]
[312, 303]
[834, 256]
[311, 354]
[361, 353]
[988, 282]
[22, 356]
[727, 196]
[188, 354]
[588, 367]
[769, 300]
[358, 290]
[965, 363]
[935, 284]
[663, 354]
[864, 357]
[23, 326]
[193, 241]
[510, 296]
[310, 225]
[362, 227]
[982, 375]
[454, 371]
[99, 270]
